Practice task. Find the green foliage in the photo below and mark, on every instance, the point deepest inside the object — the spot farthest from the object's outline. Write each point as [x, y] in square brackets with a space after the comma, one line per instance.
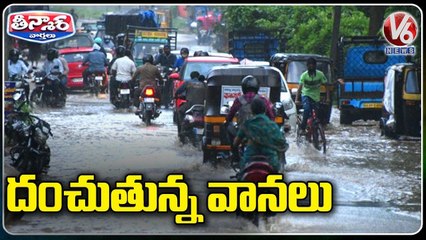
[307, 29]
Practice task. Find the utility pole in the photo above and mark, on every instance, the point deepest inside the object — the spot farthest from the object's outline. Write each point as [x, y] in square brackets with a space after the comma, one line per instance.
[337, 13]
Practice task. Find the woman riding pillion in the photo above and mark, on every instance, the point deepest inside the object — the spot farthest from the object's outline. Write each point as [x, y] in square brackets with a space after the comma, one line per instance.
[263, 136]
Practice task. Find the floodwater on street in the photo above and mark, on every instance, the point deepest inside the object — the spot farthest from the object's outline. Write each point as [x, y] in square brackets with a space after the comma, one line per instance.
[376, 181]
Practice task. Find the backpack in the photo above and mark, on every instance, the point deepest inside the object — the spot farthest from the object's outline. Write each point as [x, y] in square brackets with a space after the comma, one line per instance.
[244, 113]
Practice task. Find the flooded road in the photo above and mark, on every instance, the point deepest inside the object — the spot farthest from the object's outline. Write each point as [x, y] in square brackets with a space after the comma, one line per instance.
[376, 181]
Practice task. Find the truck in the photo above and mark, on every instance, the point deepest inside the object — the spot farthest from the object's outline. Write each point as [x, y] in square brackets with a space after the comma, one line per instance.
[362, 64]
[115, 23]
[141, 41]
[256, 45]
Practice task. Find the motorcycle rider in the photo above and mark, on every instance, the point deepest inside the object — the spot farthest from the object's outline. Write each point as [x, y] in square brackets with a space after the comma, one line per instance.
[167, 60]
[17, 67]
[310, 86]
[54, 66]
[195, 93]
[263, 137]
[99, 41]
[108, 43]
[122, 70]
[64, 76]
[250, 87]
[184, 53]
[148, 74]
[97, 62]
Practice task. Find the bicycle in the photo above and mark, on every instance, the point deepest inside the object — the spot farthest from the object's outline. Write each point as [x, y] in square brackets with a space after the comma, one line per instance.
[314, 130]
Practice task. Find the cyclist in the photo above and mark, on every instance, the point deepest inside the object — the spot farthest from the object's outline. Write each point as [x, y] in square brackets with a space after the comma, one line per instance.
[310, 85]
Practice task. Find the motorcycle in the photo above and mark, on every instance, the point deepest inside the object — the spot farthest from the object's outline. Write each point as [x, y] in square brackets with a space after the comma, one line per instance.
[257, 170]
[167, 85]
[148, 105]
[16, 94]
[28, 133]
[48, 91]
[193, 125]
[123, 97]
[96, 82]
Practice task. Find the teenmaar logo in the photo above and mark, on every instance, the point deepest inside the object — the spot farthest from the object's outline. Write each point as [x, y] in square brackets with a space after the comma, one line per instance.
[40, 26]
[400, 29]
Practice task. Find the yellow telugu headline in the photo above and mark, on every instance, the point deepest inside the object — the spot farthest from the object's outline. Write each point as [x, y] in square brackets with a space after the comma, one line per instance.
[133, 195]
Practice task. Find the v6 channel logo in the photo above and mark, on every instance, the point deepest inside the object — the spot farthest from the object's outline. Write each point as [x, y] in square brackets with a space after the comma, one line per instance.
[40, 26]
[400, 29]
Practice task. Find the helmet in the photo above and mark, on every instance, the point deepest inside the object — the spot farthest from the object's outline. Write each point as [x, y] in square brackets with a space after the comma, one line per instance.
[249, 84]
[52, 53]
[148, 58]
[184, 50]
[311, 60]
[14, 53]
[107, 38]
[98, 40]
[120, 51]
[200, 53]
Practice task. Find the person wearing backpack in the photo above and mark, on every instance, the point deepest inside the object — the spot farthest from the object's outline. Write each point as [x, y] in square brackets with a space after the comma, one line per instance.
[242, 106]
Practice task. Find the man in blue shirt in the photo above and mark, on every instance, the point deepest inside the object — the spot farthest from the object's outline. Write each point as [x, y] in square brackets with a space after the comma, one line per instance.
[184, 52]
[97, 63]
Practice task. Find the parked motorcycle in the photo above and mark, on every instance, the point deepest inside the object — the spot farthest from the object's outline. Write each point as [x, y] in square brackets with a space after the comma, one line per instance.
[123, 97]
[193, 126]
[28, 133]
[48, 91]
[148, 105]
[16, 94]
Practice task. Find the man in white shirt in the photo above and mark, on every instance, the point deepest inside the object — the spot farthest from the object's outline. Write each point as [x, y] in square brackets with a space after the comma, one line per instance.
[122, 71]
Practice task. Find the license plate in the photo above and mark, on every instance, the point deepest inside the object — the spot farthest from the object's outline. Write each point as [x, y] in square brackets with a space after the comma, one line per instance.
[149, 100]
[77, 79]
[372, 105]
[99, 78]
[199, 131]
[124, 91]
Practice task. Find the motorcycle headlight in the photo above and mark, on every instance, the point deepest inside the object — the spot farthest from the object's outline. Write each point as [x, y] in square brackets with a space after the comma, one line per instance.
[189, 118]
[288, 105]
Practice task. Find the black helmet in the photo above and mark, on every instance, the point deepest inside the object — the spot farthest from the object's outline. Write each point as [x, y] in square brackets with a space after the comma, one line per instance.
[311, 60]
[184, 50]
[14, 53]
[250, 84]
[52, 53]
[120, 51]
[148, 58]
[107, 38]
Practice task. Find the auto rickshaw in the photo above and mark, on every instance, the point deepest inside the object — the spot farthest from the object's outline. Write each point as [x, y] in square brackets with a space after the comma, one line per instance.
[292, 65]
[401, 101]
[223, 87]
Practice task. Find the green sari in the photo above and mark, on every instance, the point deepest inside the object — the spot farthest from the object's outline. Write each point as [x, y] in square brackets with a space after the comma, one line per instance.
[265, 138]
